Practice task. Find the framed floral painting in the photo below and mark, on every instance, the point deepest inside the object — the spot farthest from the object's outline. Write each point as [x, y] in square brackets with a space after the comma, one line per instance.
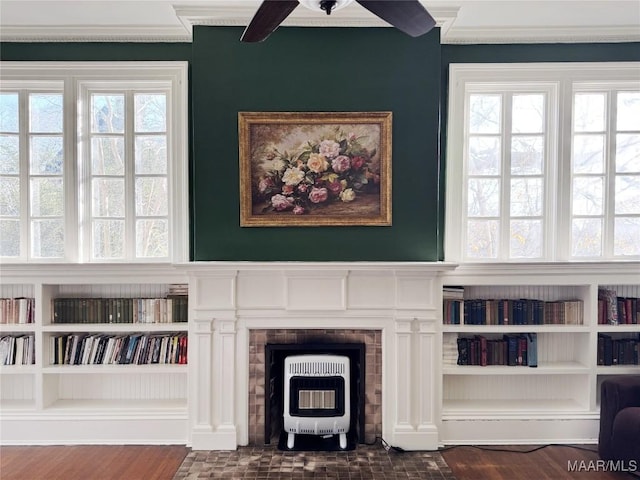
[315, 169]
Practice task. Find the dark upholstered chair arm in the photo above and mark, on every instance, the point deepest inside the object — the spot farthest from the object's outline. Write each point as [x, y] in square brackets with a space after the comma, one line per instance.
[615, 394]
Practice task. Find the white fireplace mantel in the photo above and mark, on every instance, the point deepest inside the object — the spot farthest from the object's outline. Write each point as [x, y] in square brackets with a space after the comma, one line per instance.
[228, 299]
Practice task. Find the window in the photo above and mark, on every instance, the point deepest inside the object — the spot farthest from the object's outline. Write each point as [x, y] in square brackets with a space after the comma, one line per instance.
[35, 178]
[548, 157]
[605, 168]
[93, 162]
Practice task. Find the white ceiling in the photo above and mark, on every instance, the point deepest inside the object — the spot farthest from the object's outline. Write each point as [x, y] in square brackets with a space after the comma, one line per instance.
[461, 21]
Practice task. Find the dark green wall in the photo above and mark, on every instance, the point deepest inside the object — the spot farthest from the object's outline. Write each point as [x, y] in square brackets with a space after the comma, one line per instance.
[311, 69]
[62, 51]
[315, 69]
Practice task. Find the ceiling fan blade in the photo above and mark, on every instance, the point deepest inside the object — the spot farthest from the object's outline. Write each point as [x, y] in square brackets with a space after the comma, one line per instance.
[408, 16]
[269, 16]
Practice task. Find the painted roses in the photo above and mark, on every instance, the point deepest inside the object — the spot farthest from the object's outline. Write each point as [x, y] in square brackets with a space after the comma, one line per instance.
[335, 168]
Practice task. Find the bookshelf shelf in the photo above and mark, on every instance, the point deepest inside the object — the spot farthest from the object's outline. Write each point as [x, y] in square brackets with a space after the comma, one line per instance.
[17, 328]
[618, 370]
[150, 408]
[17, 406]
[142, 403]
[499, 408]
[559, 400]
[18, 369]
[480, 329]
[115, 327]
[559, 368]
[618, 328]
[119, 369]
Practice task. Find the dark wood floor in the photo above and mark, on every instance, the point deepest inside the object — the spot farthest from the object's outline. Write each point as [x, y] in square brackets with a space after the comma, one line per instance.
[161, 462]
[99, 462]
[548, 463]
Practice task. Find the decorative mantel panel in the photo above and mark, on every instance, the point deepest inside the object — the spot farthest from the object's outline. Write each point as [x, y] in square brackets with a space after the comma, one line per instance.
[401, 300]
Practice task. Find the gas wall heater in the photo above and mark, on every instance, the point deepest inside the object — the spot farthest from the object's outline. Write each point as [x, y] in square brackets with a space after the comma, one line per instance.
[316, 396]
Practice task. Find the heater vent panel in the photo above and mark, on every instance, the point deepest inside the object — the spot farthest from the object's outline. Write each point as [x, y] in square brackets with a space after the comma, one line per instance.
[317, 368]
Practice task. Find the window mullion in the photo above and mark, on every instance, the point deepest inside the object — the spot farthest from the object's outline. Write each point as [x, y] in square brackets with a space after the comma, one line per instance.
[129, 177]
[70, 175]
[84, 175]
[505, 188]
[561, 208]
[25, 175]
[610, 174]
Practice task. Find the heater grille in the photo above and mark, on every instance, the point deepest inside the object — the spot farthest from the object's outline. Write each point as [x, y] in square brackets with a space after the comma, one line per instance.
[317, 369]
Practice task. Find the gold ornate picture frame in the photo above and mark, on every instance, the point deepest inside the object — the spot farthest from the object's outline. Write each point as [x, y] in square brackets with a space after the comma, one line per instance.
[315, 168]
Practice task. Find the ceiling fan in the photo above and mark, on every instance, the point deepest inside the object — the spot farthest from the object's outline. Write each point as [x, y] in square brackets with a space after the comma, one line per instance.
[408, 16]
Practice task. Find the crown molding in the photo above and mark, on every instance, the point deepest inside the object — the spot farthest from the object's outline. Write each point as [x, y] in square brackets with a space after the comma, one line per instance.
[109, 33]
[238, 15]
[498, 35]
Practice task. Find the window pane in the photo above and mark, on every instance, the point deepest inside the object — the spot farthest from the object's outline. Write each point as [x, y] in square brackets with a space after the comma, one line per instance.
[626, 235]
[485, 113]
[108, 197]
[107, 113]
[45, 113]
[10, 196]
[526, 239]
[152, 238]
[47, 198]
[627, 153]
[588, 154]
[628, 111]
[587, 195]
[528, 113]
[482, 238]
[526, 197]
[627, 199]
[151, 112]
[527, 155]
[46, 156]
[484, 197]
[107, 156]
[589, 112]
[108, 238]
[151, 154]
[151, 197]
[9, 154]
[586, 237]
[9, 238]
[9, 112]
[47, 238]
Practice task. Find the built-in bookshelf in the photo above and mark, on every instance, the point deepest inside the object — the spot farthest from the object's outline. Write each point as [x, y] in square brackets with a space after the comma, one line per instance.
[106, 346]
[504, 312]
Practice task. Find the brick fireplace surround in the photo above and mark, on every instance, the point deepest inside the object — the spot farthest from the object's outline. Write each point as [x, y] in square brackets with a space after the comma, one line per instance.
[372, 340]
[238, 307]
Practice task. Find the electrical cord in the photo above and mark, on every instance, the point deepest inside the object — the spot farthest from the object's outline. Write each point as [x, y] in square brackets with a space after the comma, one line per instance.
[507, 450]
[389, 447]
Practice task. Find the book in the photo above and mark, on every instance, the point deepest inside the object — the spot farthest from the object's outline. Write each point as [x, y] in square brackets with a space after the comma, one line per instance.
[532, 350]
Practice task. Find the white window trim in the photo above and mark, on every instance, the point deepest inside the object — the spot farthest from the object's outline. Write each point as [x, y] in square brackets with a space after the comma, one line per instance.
[561, 74]
[75, 74]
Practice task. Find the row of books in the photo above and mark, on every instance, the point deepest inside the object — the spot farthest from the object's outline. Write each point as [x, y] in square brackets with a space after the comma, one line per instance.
[511, 350]
[17, 350]
[617, 310]
[618, 351]
[134, 349]
[512, 312]
[16, 310]
[120, 310]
